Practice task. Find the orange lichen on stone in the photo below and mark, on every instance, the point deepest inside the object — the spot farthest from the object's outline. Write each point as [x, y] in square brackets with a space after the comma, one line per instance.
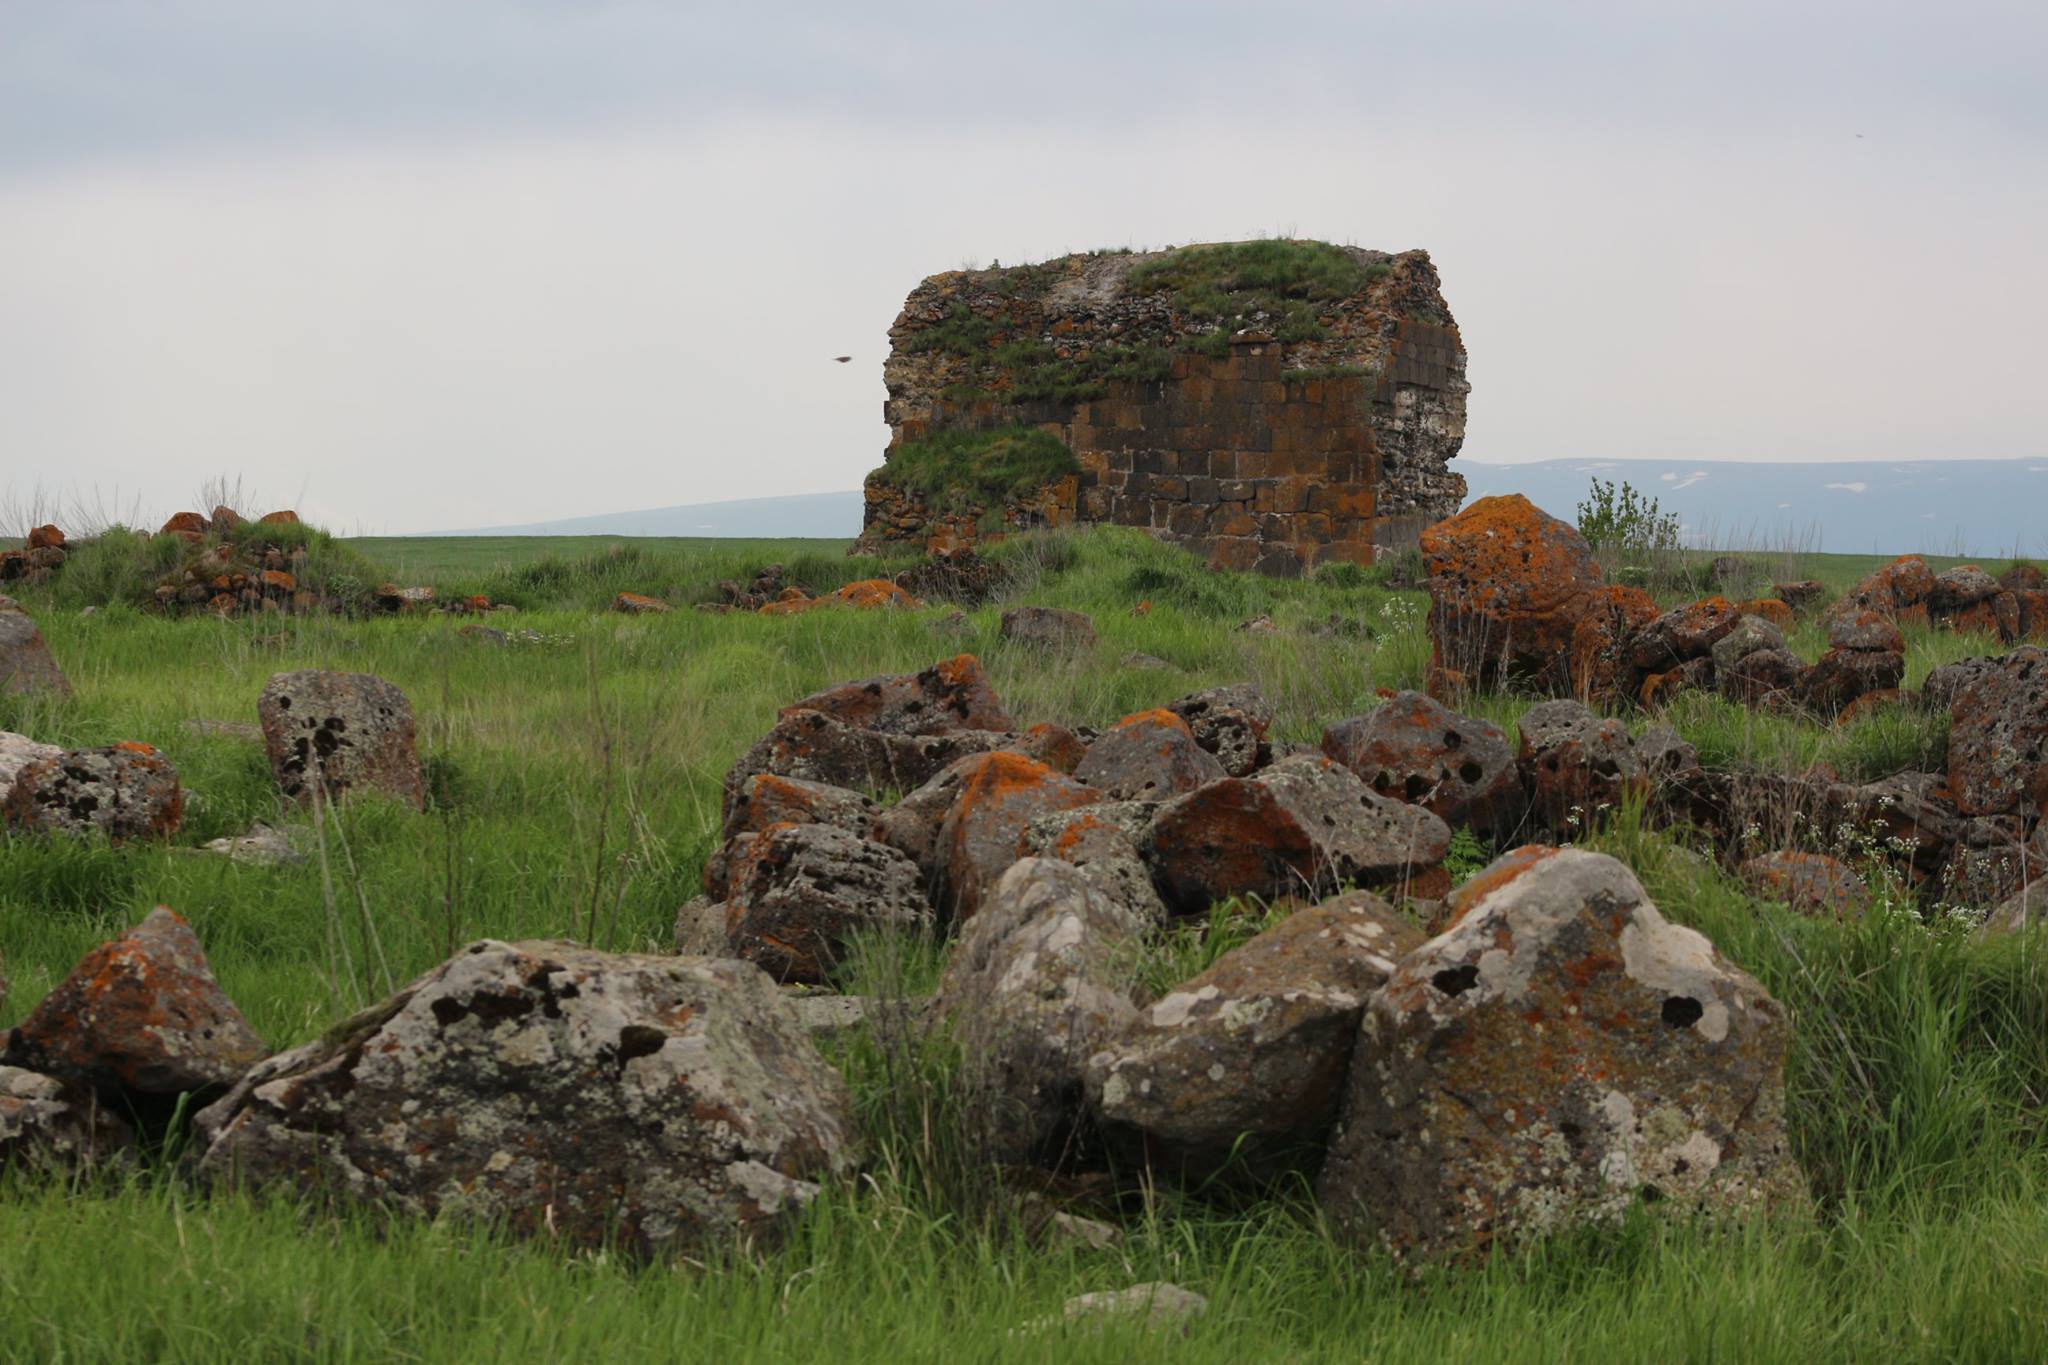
[1770, 609]
[1505, 869]
[869, 593]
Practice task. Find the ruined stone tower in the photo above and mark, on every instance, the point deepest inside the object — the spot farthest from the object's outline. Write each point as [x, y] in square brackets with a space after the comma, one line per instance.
[1272, 405]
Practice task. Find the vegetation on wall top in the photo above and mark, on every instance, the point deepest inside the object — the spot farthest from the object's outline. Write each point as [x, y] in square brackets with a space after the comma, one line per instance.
[956, 469]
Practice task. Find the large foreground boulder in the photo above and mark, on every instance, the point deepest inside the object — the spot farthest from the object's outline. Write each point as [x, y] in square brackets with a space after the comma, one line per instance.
[122, 791]
[27, 668]
[140, 1018]
[1246, 1061]
[1559, 1054]
[1036, 985]
[665, 1102]
[1303, 826]
[349, 731]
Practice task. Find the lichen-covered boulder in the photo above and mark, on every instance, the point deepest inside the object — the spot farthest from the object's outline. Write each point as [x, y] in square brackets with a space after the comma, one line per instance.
[1034, 986]
[814, 747]
[1998, 738]
[1576, 764]
[1415, 749]
[122, 791]
[1601, 640]
[983, 832]
[665, 1102]
[766, 799]
[1842, 677]
[1960, 587]
[1300, 827]
[1683, 634]
[1245, 1062]
[1811, 883]
[1150, 756]
[350, 732]
[55, 1125]
[1048, 628]
[1749, 635]
[1556, 1056]
[1230, 722]
[140, 1016]
[1102, 840]
[1764, 677]
[1865, 628]
[26, 666]
[797, 893]
[948, 697]
[1900, 590]
[1508, 585]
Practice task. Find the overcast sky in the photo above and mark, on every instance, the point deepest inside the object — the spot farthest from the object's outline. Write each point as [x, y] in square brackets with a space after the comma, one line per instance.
[430, 265]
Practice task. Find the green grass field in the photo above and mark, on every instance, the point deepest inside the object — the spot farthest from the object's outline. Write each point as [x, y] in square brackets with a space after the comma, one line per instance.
[574, 784]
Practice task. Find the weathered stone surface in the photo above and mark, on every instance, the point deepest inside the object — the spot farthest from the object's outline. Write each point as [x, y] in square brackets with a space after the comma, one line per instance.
[1843, 676]
[1055, 746]
[1811, 883]
[1160, 1304]
[122, 791]
[1945, 682]
[1102, 840]
[1899, 590]
[664, 1101]
[1508, 584]
[1682, 634]
[1575, 764]
[947, 698]
[1557, 1055]
[1803, 594]
[1299, 827]
[1749, 635]
[139, 1016]
[1034, 986]
[262, 846]
[1415, 749]
[983, 832]
[639, 604]
[1865, 629]
[54, 1125]
[766, 799]
[1232, 723]
[1048, 628]
[1602, 638]
[1245, 1062]
[1960, 587]
[349, 732]
[1150, 756]
[26, 666]
[16, 753]
[816, 748]
[797, 893]
[1764, 677]
[1998, 738]
[2028, 909]
[1770, 609]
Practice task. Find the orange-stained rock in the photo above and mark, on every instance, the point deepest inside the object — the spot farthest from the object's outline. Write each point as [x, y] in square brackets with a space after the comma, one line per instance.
[2032, 604]
[1576, 765]
[1811, 883]
[1149, 756]
[1599, 665]
[1997, 615]
[638, 604]
[140, 1016]
[1770, 609]
[45, 537]
[1865, 628]
[1299, 827]
[1508, 586]
[1870, 703]
[814, 746]
[1842, 676]
[188, 524]
[1102, 840]
[1417, 750]
[122, 791]
[1000, 795]
[1230, 722]
[801, 892]
[767, 799]
[277, 580]
[1998, 737]
[285, 517]
[1682, 634]
[1900, 590]
[869, 593]
[225, 519]
[951, 695]
[1053, 745]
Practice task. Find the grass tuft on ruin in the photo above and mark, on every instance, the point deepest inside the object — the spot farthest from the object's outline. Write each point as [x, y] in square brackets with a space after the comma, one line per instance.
[953, 470]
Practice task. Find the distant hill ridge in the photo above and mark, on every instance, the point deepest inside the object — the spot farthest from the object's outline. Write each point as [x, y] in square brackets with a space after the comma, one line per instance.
[1972, 507]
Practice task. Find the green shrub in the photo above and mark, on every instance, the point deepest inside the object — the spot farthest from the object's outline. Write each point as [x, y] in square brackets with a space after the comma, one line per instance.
[1625, 521]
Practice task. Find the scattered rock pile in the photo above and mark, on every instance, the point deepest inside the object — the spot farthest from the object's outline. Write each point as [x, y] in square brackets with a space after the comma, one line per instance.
[42, 553]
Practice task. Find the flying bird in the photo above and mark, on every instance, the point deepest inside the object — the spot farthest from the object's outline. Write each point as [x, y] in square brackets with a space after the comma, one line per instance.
[842, 359]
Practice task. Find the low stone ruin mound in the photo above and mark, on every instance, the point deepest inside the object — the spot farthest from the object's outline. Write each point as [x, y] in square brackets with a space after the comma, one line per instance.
[42, 554]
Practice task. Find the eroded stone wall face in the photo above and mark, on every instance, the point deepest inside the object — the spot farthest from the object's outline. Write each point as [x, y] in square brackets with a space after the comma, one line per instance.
[1244, 458]
[1227, 458]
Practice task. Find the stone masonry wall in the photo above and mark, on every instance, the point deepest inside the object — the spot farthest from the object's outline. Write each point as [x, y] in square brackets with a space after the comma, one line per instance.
[1261, 453]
